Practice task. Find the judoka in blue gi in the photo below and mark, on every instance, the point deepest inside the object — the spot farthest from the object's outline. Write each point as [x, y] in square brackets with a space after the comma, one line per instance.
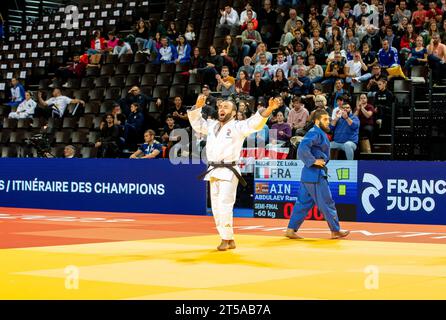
[314, 151]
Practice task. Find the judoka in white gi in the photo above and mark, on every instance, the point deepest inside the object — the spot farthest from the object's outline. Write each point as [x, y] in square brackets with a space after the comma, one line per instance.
[225, 138]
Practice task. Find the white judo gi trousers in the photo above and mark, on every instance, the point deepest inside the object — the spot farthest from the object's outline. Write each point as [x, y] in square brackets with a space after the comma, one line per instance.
[223, 195]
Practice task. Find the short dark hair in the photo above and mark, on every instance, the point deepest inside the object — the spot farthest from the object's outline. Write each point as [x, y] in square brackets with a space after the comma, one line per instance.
[319, 113]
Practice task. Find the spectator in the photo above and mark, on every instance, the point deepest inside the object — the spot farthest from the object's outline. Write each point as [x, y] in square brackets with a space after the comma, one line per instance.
[298, 115]
[249, 18]
[282, 64]
[388, 58]
[225, 83]
[69, 152]
[335, 36]
[134, 126]
[197, 61]
[394, 41]
[183, 49]
[179, 113]
[366, 114]
[319, 53]
[230, 54]
[55, 106]
[246, 67]
[121, 48]
[150, 149]
[350, 38]
[401, 12]
[300, 62]
[384, 99]
[354, 69]
[119, 117]
[264, 68]
[108, 142]
[214, 63]
[292, 21]
[17, 93]
[25, 109]
[314, 71]
[258, 86]
[320, 103]
[172, 32]
[279, 82]
[111, 43]
[337, 49]
[372, 85]
[261, 48]
[141, 34]
[268, 22]
[437, 58]
[209, 111]
[368, 57]
[407, 41]
[250, 39]
[372, 37]
[242, 86]
[300, 85]
[136, 96]
[339, 101]
[345, 128]
[316, 37]
[190, 34]
[335, 69]
[167, 53]
[419, 17]
[97, 44]
[74, 69]
[229, 21]
[167, 136]
[338, 91]
[417, 56]
[282, 128]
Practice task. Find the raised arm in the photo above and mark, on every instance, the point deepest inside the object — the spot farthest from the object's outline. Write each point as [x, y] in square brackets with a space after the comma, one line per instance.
[196, 120]
[258, 120]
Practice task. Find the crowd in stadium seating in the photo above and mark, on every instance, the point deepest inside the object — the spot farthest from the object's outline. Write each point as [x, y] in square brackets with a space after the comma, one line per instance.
[339, 56]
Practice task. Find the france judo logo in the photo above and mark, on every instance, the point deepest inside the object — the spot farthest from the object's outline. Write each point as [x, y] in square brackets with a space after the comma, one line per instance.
[370, 191]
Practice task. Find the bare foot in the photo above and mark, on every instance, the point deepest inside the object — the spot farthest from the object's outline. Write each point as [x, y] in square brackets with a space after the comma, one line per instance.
[339, 234]
[232, 244]
[290, 233]
[224, 245]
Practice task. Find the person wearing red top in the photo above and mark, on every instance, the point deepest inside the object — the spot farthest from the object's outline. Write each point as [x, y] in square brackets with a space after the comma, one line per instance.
[434, 11]
[97, 47]
[419, 16]
[250, 18]
[407, 41]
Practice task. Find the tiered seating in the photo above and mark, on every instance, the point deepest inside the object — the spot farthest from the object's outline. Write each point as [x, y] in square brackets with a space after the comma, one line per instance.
[33, 57]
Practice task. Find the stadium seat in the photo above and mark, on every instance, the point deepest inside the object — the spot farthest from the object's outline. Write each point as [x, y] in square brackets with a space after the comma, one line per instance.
[92, 107]
[148, 80]
[132, 80]
[117, 81]
[102, 82]
[137, 68]
[97, 94]
[88, 83]
[164, 79]
[113, 93]
[107, 70]
[152, 68]
[122, 69]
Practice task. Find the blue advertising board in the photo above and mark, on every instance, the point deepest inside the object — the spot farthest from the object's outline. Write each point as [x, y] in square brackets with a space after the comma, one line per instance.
[402, 192]
[116, 185]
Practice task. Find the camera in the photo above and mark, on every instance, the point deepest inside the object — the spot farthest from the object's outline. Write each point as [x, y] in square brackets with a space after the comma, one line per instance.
[41, 143]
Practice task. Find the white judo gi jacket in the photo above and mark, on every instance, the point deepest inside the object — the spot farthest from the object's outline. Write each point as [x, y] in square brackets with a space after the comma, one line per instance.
[227, 144]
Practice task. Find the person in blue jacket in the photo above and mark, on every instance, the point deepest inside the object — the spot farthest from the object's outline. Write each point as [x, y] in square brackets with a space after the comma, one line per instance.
[314, 151]
[167, 53]
[183, 50]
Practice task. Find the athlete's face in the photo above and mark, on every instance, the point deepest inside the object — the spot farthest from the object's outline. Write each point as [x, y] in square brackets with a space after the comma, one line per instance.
[225, 111]
[324, 123]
